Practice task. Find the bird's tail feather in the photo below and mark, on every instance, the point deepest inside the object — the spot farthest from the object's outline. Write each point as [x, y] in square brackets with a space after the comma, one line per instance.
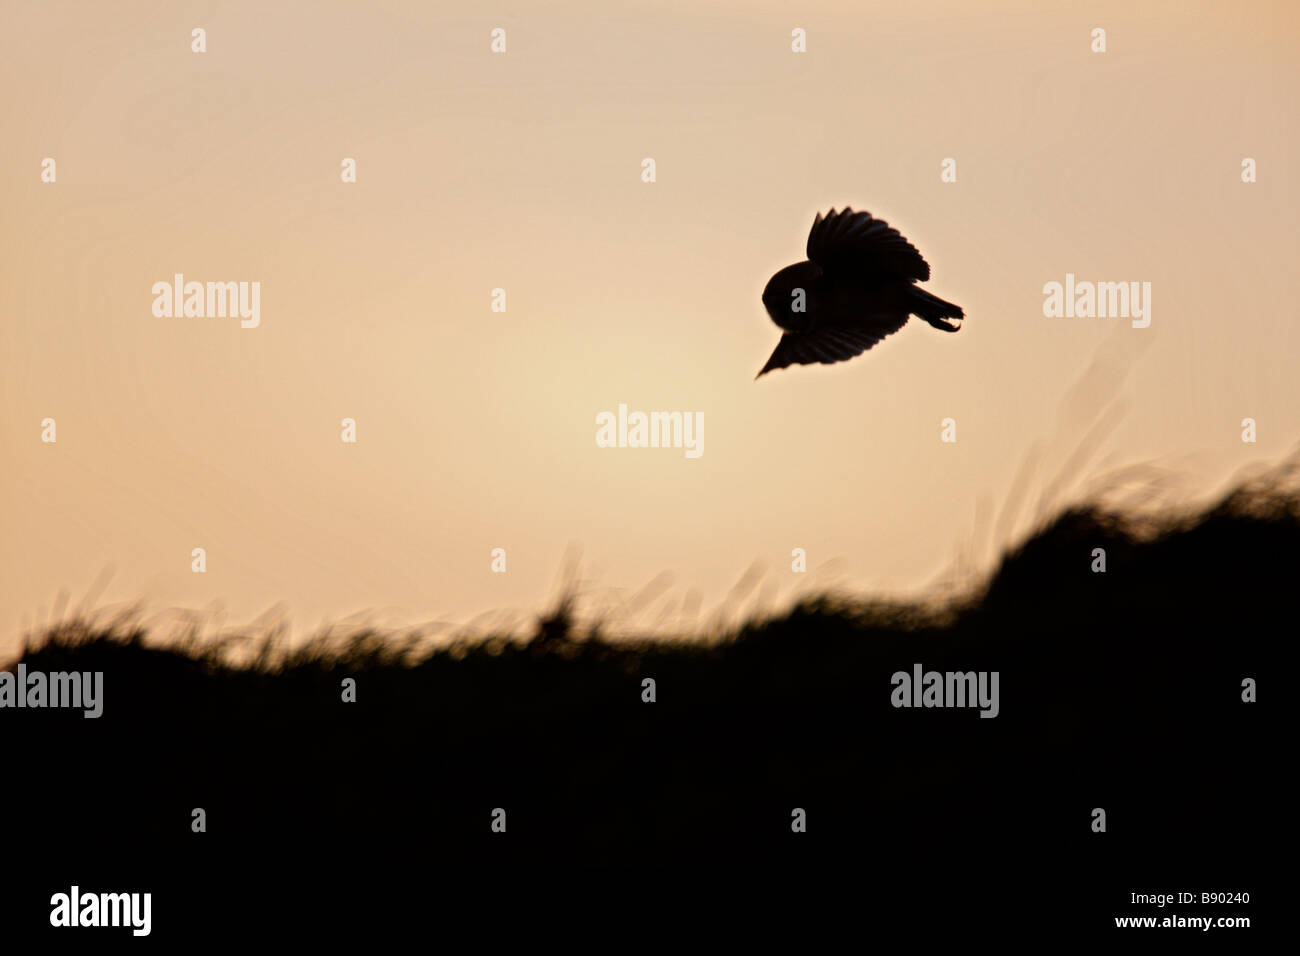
[935, 310]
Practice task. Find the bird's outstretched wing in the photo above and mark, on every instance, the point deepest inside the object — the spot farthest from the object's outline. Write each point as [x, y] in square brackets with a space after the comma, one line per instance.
[827, 345]
[856, 240]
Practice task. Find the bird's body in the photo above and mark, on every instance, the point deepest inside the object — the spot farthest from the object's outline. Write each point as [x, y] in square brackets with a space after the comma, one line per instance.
[856, 287]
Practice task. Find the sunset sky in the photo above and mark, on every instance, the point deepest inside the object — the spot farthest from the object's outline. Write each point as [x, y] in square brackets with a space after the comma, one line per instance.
[475, 171]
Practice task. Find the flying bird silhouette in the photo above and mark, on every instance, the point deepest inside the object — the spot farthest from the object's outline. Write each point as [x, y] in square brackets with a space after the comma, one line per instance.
[856, 287]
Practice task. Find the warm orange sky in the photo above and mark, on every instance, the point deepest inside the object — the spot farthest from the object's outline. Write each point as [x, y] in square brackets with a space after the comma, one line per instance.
[522, 171]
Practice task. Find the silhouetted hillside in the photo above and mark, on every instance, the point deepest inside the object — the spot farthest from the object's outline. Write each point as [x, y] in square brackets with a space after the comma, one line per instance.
[1120, 690]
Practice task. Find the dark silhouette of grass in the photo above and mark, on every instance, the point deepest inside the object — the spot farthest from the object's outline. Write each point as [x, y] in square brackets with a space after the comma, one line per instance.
[1119, 690]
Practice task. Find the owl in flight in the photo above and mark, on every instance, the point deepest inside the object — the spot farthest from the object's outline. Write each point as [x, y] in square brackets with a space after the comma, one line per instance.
[856, 287]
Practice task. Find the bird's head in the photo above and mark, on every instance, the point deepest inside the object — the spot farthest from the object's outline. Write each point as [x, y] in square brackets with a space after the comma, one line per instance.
[788, 297]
